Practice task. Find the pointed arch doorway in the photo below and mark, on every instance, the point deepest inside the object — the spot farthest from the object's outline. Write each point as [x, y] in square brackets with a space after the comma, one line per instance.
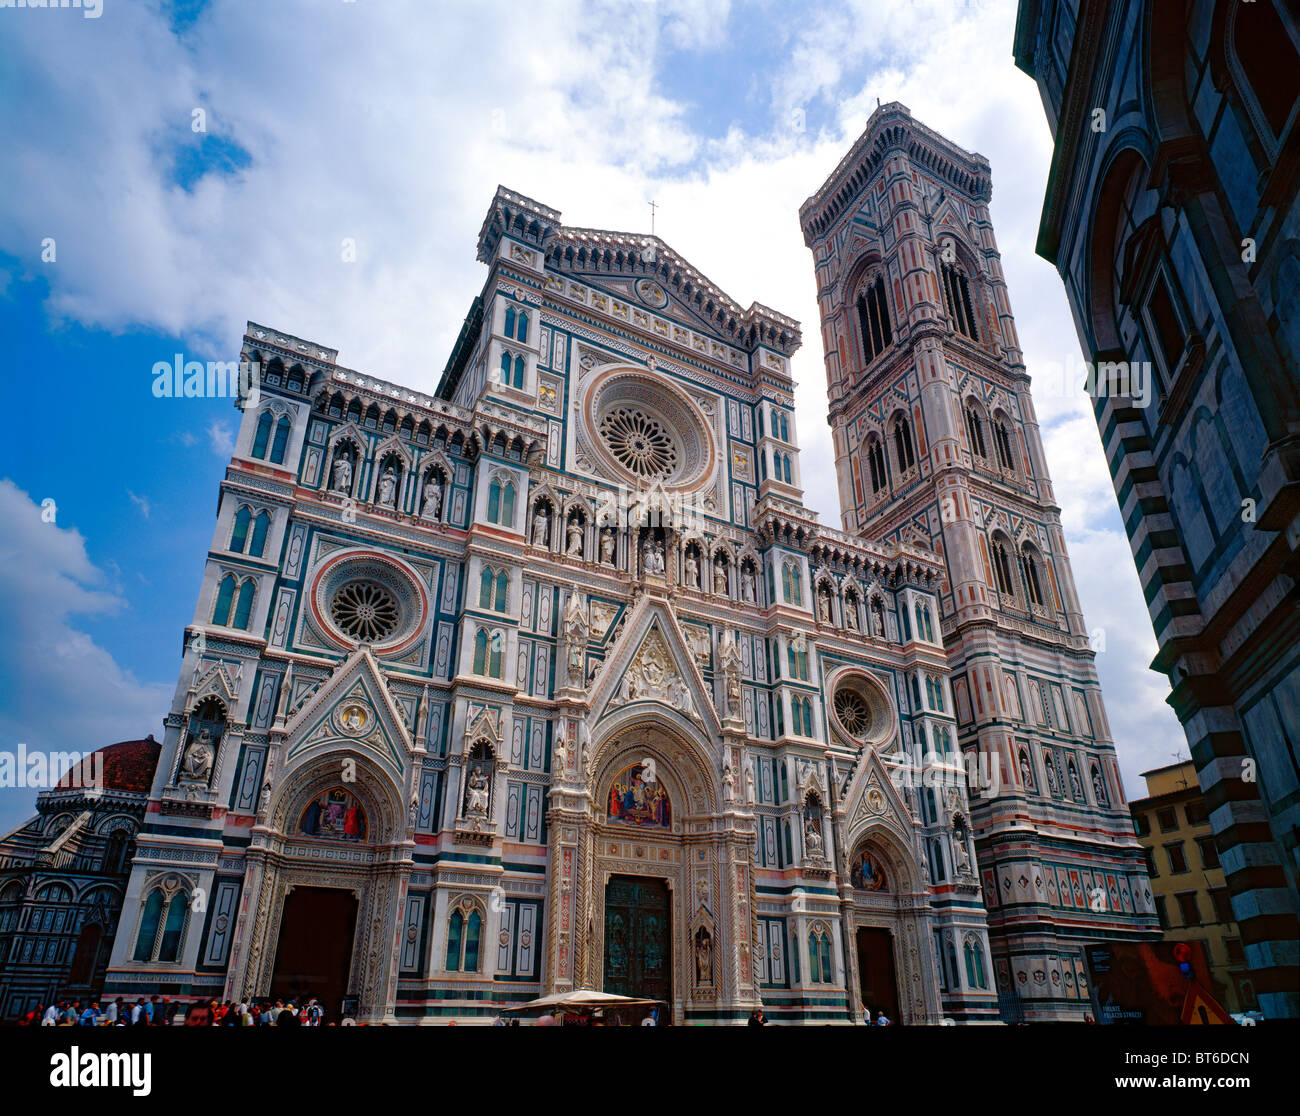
[638, 938]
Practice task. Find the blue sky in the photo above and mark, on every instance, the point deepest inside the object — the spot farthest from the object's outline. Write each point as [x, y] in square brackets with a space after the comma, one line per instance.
[392, 124]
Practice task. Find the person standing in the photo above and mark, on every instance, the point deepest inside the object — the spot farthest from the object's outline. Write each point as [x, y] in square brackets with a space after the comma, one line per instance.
[51, 1016]
[757, 1018]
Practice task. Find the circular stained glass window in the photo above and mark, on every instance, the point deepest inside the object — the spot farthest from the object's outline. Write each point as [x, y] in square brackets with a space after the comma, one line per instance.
[639, 442]
[365, 610]
[853, 711]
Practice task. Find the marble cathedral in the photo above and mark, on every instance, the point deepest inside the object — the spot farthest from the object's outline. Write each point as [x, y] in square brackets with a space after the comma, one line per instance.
[549, 680]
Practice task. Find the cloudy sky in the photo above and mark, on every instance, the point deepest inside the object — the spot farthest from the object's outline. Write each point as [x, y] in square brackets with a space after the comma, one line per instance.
[177, 169]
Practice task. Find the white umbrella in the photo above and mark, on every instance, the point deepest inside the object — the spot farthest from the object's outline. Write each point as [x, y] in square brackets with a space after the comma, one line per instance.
[583, 998]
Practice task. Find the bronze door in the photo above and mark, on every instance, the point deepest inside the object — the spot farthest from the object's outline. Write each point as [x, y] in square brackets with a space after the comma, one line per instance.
[638, 938]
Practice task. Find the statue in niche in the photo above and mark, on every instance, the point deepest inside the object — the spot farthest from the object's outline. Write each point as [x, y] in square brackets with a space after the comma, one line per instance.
[692, 571]
[960, 852]
[574, 628]
[196, 765]
[824, 607]
[749, 586]
[413, 811]
[652, 556]
[703, 957]
[432, 497]
[1050, 767]
[728, 785]
[607, 546]
[574, 549]
[560, 756]
[1026, 775]
[877, 619]
[851, 613]
[750, 796]
[342, 474]
[388, 487]
[1098, 787]
[1076, 787]
[720, 577]
[812, 837]
[541, 526]
[729, 653]
[476, 802]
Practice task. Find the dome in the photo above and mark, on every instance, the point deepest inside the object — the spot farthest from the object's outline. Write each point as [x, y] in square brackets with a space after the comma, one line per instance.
[127, 766]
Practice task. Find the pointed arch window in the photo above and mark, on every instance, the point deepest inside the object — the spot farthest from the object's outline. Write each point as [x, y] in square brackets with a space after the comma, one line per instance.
[974, 955]
[225, 598]
[1029, 571]
[820, 970]
[239, 536]
[873, 320]
[876, 461]
[1002, 569]
[463, 941]
[489, 649]
[903, 447]
[262, 435]
[501, 502]
[792, 583]
[261, 525]
[1002, 441]
[149, 921]
[244, 604]
[494, 585]
[957, 298]
[975, 432]
[281, 441]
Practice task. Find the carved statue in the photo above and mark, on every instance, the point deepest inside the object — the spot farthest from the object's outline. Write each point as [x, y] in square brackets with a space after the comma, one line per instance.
[1026, 775]
[1076, 788]
[432, 497]
[1098, 788]
[877, 619]
[812, 837]
[750, 796]
[413, 811]
[728, 785]
[607, 547]
[196, 765]
[703, 959]
[851, 614]
[541, 527]
[342, 473]
[720, 578]
[477, 803]
[729, 653]
[574, 549]
[560, 756]
[388, 487]
[824, 607]
[652, 557]
[749, 587]
[692, 572]
[264, 799]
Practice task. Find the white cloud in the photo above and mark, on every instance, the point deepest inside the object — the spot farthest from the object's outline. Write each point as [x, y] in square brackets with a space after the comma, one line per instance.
[221, 438]
[141, 503]
[394, 124]
[60, 691]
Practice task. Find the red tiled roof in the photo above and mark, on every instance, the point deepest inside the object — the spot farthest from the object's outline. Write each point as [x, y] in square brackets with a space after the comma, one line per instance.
[128, 765]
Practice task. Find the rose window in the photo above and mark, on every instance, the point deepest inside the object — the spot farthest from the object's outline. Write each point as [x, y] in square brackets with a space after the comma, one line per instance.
[853, 712]
[365, 610]
[639, 442]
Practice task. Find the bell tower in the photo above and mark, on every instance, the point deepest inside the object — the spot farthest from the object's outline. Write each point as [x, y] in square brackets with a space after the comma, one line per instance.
[937, 446]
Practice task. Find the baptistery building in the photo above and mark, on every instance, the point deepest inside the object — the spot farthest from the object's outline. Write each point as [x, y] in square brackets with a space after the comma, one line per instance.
[549, 680]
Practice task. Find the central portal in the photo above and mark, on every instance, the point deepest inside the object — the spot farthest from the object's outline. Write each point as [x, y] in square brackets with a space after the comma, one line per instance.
[315, 951]
[638, 939]
[876, 967]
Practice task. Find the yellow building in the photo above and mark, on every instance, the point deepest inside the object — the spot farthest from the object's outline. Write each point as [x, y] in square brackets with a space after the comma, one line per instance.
[1191, 894]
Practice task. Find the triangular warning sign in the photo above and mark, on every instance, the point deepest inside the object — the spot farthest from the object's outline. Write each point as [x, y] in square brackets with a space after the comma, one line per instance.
[1202, 1008]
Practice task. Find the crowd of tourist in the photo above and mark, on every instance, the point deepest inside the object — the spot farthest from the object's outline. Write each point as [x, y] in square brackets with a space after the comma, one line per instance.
[161, 1011]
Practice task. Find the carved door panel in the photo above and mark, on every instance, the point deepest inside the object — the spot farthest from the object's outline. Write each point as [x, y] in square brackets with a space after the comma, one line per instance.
[638, 939]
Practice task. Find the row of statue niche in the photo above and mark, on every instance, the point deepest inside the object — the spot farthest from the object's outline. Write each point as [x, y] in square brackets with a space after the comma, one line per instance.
[431, 498]
[748, 579]
[875, 613]
[540, 536]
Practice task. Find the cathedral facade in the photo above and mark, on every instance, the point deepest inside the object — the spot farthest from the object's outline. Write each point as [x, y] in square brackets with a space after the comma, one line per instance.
[549, 680]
